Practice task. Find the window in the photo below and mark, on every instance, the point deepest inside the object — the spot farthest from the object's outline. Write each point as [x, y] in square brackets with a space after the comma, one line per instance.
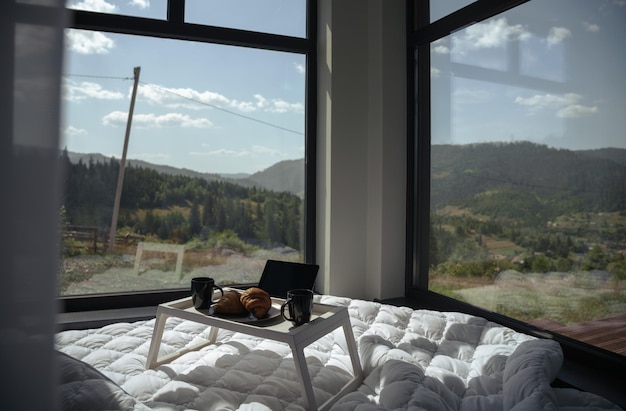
[184, 148]
[155, 9]
[523, 126]
[441, 9]
[251, 15]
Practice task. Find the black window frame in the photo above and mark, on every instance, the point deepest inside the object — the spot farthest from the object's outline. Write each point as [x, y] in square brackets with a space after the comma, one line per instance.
[175, 27]
[585, 366]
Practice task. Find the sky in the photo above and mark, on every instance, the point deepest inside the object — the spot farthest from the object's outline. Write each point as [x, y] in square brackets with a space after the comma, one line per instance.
[549, 71]
[209, 108]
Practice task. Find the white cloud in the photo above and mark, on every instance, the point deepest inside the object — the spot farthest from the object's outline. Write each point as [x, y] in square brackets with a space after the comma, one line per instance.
[119, 119]
[260, 101]
[180, 97]
[268, 151]
[299, 68]
[593, 28]
[491, 34]
[100, 6]
[244, 153]
[222, 153]
[116, 118]
[282, 106]
[565, 106]
[245, 106]
[434, 72]
[576, 111]
[74, 131]
[88, 42]
[440, 47]
[196, 100]
[273, 106]
[142, 4]
[81, 91]
[557, 35]
[548, 101]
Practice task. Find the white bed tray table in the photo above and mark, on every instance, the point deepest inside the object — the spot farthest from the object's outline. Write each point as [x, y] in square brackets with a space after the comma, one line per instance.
[324, 319]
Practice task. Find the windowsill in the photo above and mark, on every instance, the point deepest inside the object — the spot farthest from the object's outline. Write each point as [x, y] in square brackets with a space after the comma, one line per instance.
[96, 319]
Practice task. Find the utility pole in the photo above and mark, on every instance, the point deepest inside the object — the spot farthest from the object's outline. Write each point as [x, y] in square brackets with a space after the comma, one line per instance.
[120, 176]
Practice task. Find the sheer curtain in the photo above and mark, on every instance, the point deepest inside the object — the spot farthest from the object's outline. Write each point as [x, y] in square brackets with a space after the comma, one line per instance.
[31, 38]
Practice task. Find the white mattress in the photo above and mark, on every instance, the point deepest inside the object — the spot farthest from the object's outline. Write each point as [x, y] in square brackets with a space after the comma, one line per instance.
[413, 359]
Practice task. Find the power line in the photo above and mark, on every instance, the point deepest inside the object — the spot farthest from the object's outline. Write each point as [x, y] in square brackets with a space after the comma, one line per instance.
[191, 99]
[100, 77]
[223, 109]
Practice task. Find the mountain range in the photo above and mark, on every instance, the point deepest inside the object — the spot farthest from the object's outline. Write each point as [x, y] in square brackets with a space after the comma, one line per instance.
[287, 175]
[478, 173]
[527, 179]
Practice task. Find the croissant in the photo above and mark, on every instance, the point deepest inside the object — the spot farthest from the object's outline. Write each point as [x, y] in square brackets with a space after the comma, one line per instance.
[257, 301]
[229, 303]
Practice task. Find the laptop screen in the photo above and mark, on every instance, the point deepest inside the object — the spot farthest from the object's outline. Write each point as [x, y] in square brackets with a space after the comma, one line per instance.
[278, 277]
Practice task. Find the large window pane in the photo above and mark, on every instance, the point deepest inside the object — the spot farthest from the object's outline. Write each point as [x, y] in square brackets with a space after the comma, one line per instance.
[439, 9]
[155, 9]
[253, 15]
[214, 162]
[528, 194]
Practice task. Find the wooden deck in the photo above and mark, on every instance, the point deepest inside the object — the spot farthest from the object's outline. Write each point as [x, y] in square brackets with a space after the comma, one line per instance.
[608, 333]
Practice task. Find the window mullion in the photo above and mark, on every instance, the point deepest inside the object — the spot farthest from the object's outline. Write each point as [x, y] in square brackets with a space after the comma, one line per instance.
[176, 11]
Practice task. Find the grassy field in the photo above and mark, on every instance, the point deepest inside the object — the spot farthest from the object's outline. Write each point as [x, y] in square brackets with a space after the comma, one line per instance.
[94, 274]
[501, 247]
[565, 298]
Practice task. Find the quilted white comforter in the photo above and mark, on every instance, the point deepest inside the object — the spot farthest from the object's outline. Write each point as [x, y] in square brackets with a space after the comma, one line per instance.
[412, 359]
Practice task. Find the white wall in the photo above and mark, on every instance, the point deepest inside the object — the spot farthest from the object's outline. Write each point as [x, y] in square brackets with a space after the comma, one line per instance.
[361, 148]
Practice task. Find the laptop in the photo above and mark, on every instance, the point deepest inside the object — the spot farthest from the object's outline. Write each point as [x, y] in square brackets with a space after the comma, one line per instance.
[278, 277]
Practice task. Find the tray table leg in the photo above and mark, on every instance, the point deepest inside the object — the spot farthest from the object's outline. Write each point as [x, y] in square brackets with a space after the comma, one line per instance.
[357, 370]
[155, 343]
[305, 379]
[213, 334]
[353, 350]
[157, 335]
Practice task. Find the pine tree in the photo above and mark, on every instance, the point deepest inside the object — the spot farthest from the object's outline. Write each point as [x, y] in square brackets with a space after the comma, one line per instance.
[195, 225]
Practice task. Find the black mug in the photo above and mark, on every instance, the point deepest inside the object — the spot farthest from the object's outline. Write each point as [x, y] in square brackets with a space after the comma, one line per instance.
[300, 304]
[202, 292]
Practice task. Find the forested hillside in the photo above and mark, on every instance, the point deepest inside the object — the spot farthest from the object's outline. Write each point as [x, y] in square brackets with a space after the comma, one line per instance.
[529, 199]
[178, 208]
[527, 182]
[528, 207]
[286, 175]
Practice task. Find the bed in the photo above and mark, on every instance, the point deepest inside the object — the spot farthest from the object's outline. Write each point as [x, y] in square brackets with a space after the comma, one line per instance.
[412, 359]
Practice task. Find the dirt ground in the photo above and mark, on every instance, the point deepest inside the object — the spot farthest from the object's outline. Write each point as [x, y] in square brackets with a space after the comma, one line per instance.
[94, 274]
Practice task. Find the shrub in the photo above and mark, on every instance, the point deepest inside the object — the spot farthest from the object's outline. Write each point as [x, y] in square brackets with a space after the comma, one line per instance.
[230, 239]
